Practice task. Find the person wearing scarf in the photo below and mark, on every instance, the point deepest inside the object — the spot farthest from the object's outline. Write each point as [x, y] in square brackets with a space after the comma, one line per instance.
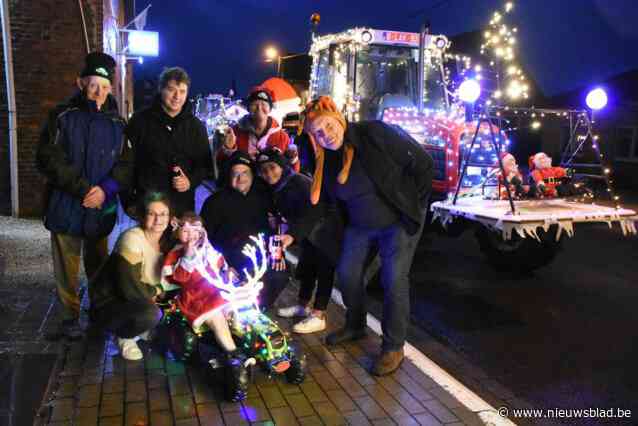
[381, 179]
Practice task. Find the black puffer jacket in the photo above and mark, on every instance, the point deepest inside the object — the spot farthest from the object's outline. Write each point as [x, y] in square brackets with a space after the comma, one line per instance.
[159, 142]
[79, 148]
[399, 167]
[230, 218]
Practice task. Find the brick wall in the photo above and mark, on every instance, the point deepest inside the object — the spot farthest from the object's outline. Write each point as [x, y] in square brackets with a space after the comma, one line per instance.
[48, 52]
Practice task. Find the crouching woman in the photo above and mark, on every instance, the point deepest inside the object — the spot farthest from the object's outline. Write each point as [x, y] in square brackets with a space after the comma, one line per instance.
[126, 288]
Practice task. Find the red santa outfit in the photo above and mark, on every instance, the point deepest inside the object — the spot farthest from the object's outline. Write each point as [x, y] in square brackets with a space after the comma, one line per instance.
[513, 177]
[546, 177]
[199, 299]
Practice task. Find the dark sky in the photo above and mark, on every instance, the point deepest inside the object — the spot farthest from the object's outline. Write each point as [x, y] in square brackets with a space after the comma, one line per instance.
[564, 44]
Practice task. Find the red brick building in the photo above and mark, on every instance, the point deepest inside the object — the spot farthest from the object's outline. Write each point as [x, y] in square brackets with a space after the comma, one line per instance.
[49, 47]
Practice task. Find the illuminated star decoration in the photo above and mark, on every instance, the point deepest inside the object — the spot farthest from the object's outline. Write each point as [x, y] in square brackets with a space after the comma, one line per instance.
[499, 48]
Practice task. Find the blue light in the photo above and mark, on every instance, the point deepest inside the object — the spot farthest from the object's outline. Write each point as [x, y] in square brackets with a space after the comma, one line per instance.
[596, 99]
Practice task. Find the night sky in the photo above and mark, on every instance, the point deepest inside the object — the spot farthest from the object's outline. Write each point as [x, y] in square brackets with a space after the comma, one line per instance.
[564, 44]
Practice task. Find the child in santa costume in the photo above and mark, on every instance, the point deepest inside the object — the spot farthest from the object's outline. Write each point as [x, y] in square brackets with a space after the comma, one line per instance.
[194, 265]
[512, 177]
[257, 130]
[545, 177]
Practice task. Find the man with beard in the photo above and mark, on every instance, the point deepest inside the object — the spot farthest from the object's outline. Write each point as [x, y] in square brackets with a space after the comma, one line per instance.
[170, 144]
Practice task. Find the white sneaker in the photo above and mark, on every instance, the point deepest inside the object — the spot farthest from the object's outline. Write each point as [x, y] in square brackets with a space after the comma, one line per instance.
[311, 324]
[129, 349]
[294, 311]
[144, 336]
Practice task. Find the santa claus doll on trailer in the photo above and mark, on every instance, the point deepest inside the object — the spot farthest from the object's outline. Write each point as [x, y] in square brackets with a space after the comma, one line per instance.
[512, 178]
[546, 177]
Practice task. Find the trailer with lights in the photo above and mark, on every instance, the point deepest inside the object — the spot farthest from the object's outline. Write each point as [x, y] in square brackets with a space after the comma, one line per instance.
[402, 79]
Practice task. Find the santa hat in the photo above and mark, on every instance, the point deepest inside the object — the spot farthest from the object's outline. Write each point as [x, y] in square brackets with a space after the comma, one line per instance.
[504, 155]
[530, 162]
[261, 93]
[325, 106]
[279, 140]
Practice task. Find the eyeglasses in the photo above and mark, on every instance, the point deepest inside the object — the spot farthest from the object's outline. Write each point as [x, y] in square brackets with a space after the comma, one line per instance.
[235, 175]
[157, 216]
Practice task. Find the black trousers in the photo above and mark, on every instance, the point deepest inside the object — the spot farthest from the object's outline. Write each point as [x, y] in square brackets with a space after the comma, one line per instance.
[274, 283]
[314, 268]
[128, 319]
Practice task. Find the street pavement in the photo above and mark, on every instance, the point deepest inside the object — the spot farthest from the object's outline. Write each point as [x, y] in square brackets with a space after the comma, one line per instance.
[562, 337]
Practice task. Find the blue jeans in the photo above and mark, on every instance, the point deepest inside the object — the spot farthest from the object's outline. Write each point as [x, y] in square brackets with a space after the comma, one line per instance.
[396, 250]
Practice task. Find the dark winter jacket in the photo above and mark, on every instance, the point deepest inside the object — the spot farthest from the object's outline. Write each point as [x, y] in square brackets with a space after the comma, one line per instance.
[161, 142]
[306, 154]
[79, 148]
[230, 218]
[291, 198]
[399, 167]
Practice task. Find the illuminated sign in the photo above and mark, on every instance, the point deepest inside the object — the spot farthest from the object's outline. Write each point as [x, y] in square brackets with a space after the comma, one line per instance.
[396, 37]
[143, 43]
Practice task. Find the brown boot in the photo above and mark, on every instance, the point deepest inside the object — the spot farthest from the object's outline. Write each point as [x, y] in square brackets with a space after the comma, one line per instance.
[387, 362]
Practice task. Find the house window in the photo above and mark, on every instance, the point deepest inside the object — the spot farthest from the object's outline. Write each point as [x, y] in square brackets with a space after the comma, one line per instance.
[626, 145]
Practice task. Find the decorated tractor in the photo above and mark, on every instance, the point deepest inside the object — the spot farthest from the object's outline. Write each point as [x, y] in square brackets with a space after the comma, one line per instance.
[260, 340]
[412, 80]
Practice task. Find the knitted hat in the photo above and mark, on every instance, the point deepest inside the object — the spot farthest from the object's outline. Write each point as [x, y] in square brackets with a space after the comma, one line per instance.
[272, 155]
[99, 64]
[261, 93]
[324, 106]
[238, 157]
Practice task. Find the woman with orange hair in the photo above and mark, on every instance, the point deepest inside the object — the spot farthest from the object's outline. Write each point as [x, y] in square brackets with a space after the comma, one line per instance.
[380, 178]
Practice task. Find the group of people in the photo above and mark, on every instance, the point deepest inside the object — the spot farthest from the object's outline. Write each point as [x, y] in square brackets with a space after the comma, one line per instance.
[343, 193]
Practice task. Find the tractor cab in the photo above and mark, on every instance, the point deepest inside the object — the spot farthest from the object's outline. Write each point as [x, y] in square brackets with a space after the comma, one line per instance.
[367, 71]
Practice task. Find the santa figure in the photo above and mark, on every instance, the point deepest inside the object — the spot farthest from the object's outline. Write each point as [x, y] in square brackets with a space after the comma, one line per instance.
[512, 177]
[546, 177]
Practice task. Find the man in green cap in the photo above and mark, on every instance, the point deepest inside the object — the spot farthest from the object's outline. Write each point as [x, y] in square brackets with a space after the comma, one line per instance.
[80, 145]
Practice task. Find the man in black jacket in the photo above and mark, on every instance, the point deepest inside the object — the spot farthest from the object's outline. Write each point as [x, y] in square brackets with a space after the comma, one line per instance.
[382, 179]
[170, 144]
[237, 211]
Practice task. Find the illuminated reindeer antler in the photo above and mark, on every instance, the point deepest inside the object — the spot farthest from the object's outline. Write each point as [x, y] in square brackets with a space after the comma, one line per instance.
[245, 295]
[250, 251]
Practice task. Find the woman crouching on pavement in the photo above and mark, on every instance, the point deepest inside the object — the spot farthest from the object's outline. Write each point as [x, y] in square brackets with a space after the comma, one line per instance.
[291, 198]
[127, 287]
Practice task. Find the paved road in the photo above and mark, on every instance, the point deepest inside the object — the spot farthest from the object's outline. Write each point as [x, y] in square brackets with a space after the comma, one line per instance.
[562, 337]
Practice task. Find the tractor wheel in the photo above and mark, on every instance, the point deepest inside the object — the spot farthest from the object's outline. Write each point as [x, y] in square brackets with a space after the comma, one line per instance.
[518, 254]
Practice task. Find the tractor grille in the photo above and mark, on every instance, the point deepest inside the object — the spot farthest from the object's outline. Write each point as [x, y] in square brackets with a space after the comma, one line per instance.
[439, 162]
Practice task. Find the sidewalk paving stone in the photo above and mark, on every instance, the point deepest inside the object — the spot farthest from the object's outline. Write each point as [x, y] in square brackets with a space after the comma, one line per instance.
[96, 386]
